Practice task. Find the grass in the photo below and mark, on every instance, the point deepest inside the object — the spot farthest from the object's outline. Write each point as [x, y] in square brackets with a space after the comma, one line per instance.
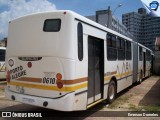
[152, 108]
[135, 108]
[119, 101]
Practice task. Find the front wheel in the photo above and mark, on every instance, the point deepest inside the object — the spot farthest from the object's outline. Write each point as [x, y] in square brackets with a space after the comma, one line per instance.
[111, 92]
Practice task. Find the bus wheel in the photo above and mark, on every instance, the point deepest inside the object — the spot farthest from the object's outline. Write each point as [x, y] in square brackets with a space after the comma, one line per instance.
[111, 92]
[140, 78]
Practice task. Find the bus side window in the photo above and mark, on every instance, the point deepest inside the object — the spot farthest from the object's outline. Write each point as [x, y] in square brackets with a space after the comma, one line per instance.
[111, 47]
[128, 50]
[140, 53]
[121, 48]
[80, 41]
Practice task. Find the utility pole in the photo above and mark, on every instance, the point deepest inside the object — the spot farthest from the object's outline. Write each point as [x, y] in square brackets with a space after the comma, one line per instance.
[109, 17]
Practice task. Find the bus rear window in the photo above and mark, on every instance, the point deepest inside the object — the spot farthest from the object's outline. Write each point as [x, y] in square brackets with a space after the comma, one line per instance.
[2, 55]
[52, 25]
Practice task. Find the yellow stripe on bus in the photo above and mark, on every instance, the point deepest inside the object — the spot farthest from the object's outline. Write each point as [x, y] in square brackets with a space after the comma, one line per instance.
[45, 87]
[117, 75]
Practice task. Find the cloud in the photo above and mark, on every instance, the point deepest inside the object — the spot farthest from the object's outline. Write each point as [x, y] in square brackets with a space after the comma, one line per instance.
[4, 2]
[18, 8]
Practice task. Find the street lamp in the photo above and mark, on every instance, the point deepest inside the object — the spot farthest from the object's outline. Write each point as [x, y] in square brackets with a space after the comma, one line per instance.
[120, 5]
[110, 15]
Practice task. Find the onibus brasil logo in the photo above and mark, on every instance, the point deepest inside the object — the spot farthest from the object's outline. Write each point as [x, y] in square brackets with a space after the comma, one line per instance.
[152, 7]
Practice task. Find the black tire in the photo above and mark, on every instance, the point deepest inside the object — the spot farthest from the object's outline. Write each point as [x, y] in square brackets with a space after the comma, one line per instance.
[111, 92]
[140, 78]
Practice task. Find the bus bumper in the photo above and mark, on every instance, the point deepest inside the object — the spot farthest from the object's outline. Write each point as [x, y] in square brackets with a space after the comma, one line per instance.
[65, 103]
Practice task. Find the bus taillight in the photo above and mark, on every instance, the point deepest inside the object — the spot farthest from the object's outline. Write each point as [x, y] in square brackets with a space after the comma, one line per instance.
[59, 80]
[59, 84]
[8, 77]
[59, 76]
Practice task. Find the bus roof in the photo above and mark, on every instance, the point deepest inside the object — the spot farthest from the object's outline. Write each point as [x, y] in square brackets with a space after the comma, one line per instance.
[2, 48]
[144, 47]
[97, 25]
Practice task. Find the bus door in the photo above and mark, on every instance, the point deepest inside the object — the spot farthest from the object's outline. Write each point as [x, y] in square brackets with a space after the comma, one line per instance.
[95, 69]
[144, 64]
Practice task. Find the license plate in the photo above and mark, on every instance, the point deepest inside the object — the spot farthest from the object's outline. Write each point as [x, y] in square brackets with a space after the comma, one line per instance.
[28, 100]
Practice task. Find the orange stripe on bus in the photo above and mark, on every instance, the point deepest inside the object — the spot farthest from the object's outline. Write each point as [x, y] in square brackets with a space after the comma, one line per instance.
[29, 79]
[65, 82]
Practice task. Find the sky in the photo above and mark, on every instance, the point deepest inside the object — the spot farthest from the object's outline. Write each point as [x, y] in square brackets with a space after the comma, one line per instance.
[12, 9]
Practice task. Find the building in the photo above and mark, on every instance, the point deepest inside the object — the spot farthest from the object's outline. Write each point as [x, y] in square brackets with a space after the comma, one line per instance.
[3, 43]
[105, 18]
[144, 27]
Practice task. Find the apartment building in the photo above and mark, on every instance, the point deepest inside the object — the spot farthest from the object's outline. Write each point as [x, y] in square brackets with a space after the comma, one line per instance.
[144, 27]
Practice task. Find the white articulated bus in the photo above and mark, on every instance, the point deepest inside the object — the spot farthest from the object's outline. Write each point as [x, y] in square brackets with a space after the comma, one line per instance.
[2, 63]
[63, 61]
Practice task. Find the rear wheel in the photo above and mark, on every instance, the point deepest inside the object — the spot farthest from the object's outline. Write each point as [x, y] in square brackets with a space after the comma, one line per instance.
[140, 78]
[111, 92]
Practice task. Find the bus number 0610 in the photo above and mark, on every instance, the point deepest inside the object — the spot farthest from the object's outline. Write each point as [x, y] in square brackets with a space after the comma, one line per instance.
[48, 80]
